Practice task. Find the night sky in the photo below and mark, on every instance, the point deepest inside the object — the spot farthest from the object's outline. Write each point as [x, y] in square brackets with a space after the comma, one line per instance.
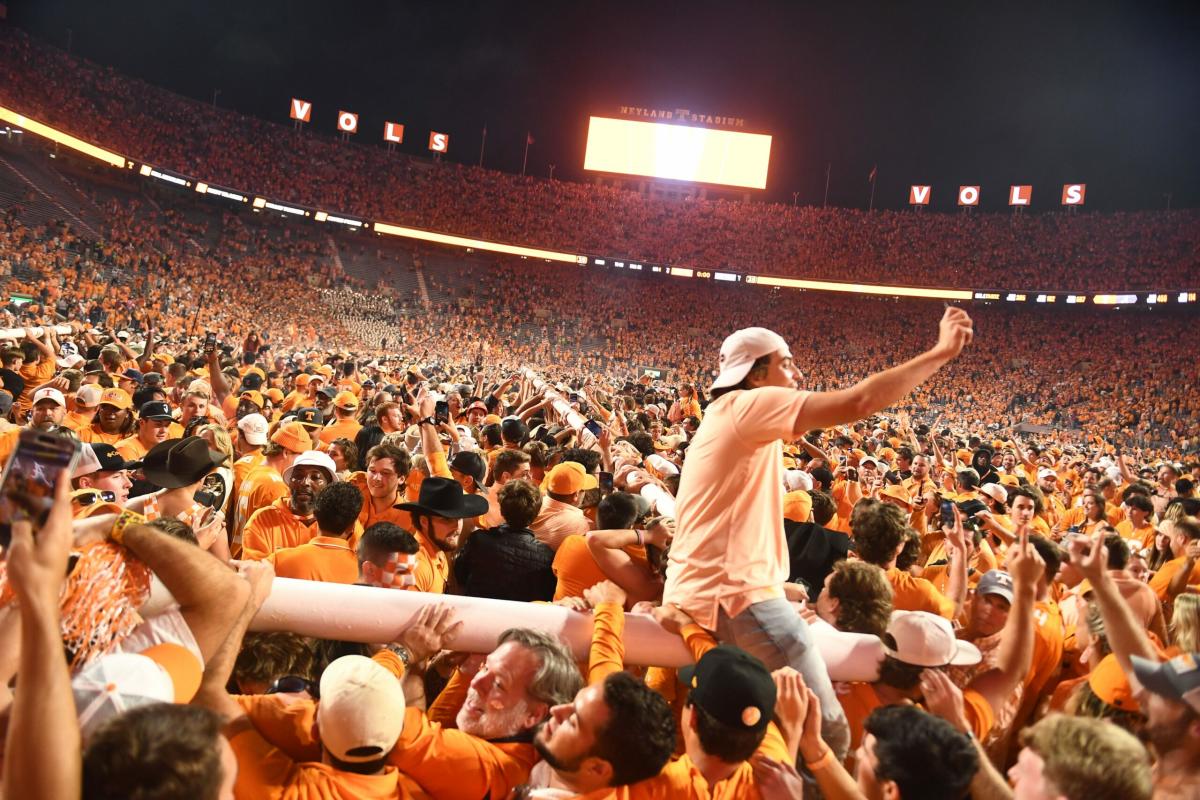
[939, 93]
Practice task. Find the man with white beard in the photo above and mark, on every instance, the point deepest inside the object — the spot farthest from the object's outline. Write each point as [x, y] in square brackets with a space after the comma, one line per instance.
[508, 698]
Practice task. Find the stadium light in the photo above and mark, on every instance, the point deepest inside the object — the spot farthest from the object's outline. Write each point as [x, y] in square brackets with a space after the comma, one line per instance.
[861, 288]
[479, 244]
[65, 139]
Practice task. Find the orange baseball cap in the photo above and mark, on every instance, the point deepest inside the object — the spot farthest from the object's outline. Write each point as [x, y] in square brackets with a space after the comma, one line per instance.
[254, 397]
[1010, 480]
[303, 378]
[275, 395]
[568, 477]
[325, 370]
[491, 419]
[1109, 683]
[116, 397]
[293, 436]
[897, 492]
[797, 506]
[345, 400]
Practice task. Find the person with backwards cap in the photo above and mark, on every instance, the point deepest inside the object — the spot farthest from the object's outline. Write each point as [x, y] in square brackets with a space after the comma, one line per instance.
[102, 469]
[356, 724]
[344, 426]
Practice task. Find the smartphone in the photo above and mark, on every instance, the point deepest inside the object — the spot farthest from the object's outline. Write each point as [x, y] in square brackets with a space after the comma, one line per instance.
[441, 411]
[593, 427]
[606, 482]
[947, 514]
[32, 472]
[210, 342]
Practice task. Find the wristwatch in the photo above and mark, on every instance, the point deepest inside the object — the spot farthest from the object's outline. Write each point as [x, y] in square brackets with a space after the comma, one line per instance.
[427, 421]
[402, 653]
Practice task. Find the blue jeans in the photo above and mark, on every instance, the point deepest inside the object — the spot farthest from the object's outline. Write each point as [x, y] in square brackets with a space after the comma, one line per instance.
[774, 633]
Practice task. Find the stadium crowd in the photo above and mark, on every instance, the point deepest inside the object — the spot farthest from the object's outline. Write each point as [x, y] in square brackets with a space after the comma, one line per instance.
[1023, 606]
[1047, 251]
[908, 558]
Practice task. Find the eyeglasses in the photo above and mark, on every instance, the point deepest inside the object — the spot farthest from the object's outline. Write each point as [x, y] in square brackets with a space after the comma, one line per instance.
[291, 684]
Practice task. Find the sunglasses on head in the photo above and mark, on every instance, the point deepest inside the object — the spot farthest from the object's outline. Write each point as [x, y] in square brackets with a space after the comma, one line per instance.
[291, 684]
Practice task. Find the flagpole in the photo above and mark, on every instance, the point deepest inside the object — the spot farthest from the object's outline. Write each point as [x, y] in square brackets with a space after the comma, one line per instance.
[828, 167]
[482, 143]
[871, 204]
[525, 162]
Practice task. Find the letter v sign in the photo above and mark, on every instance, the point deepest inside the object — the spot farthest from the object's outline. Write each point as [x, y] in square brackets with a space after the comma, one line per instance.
[301, 110]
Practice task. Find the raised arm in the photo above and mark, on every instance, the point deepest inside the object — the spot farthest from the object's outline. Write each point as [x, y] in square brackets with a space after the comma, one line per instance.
[1123, 629]
[877, 392]
[212, 693]
[210, 594]
[1016, 640]
[43, 751]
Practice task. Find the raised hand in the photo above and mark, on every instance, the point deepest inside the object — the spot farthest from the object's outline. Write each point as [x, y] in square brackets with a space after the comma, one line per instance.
[954, 332]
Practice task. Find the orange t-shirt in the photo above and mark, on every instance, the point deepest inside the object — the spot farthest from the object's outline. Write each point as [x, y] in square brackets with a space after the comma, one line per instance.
[910, 593]
[265, 771]
[577, 570]
[274, 528]
[859, 699]
[1162, 579]
[262, 486]
[452, 765]
[132, 449]
[322, 558]
[342, 429]
[433, 567]
[93, 435]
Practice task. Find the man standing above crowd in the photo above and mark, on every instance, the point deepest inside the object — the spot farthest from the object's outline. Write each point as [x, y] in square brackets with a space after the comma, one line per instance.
[729, 559]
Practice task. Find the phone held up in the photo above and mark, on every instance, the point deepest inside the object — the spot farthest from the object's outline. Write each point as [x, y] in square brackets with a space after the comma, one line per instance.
[33, 469]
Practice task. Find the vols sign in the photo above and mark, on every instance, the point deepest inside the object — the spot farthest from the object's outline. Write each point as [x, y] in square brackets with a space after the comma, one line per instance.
[439, 142]
[301, 110]
[1073, 194]
[347, 122]
[919, 195]
[968, 195]
[1019, 195]
[393, 132]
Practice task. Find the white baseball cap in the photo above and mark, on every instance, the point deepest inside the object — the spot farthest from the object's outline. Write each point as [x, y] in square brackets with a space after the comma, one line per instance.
[49, 393]
[927, 640]
[165, 673]
[995, 491]
[254, 427]
[1046, 472]
[312, 458]
[361, 713]
[796, 480]
[741, 349]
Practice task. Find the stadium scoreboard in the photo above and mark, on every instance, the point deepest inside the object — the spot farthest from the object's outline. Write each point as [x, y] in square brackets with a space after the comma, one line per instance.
[677, 152]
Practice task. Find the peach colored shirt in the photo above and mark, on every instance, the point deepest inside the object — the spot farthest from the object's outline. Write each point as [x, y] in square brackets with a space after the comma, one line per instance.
[729, 549]
[556, 521]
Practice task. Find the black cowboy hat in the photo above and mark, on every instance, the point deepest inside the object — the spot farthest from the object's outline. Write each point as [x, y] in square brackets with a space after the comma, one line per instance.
[180, 462]
[444, 497]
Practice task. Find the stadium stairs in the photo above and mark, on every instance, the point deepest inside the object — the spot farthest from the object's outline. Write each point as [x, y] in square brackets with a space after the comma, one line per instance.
[44, 194]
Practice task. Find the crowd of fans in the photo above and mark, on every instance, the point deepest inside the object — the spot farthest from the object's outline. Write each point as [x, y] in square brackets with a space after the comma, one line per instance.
[1047, 251]
[983, 534]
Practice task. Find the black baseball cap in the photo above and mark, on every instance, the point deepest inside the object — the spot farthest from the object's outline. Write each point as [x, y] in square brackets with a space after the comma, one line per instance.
[310, 417]
[470, 463]
[732, 686]
[155, 409]
[110, 460]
